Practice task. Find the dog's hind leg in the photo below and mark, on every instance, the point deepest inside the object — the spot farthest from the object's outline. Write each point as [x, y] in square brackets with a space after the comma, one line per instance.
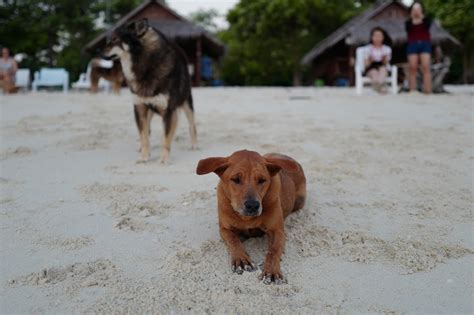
[116, 85]
[141, 117]
[170, 122]
[188, 110]
[94, 77]
[300, 199]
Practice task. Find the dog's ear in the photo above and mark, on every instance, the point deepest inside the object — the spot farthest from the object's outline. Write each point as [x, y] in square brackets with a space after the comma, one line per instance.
[274, 165]
[141, 27]
[217, 165]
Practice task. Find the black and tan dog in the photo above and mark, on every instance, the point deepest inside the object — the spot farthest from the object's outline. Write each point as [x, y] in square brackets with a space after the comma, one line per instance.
[156, 72]
[114, 75]
[254, 196]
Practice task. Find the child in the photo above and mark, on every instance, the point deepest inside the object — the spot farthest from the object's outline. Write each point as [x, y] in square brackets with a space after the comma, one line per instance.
[419, 46]
[377, 61]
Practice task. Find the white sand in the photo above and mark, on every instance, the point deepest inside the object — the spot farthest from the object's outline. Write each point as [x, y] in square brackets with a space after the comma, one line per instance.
[387, 226]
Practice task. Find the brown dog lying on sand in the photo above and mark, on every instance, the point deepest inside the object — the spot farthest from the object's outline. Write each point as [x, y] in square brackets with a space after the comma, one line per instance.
[254, 196]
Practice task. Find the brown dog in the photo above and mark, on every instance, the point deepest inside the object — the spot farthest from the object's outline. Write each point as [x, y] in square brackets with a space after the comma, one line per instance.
[254, 196]
[114, 75]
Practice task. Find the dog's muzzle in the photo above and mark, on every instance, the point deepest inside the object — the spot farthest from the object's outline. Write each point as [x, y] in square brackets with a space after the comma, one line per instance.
[107, 57]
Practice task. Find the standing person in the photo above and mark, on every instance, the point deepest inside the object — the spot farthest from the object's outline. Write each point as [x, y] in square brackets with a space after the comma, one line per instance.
[377, 61]
[419, 46]
[8, 68]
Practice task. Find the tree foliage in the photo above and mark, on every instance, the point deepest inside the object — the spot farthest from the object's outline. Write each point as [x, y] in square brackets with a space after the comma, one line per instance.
[54, 32]
[205, 18]
[267, 38]
[457, 16]
[49, 32]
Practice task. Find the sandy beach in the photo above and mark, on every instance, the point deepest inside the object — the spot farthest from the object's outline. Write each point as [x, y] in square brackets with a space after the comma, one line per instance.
[387, 227]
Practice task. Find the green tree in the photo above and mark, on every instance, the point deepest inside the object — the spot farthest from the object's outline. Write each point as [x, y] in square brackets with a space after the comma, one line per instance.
[49, 32]
[53, 32]
[205, 18]
[267, 38]
[457, 16]
[111, 11]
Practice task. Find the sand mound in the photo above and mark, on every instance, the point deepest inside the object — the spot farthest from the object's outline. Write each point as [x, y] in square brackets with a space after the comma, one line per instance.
[131, 204]
[75, 276]
[17, 152]
[311, 240]
[200, 281]
[62, 243]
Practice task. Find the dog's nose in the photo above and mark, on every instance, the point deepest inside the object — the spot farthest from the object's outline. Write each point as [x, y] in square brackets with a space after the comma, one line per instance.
[252, 206]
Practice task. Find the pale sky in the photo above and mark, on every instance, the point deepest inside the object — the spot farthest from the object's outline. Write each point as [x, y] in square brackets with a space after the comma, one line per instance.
[184, 7]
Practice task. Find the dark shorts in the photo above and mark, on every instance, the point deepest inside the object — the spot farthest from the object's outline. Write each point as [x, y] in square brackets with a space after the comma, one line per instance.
[374, 65]
[419, 47]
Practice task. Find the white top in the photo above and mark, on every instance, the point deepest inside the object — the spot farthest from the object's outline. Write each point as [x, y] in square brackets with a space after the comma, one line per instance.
[378, 53]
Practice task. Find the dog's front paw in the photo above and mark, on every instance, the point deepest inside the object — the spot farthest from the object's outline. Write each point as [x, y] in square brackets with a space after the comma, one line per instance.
[142, 161]
[269, 277]
[164, 160]
[241, 264]
[164, 156]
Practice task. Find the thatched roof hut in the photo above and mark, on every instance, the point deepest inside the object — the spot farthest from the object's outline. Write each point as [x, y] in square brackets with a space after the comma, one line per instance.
[332, 58]
[193, 39]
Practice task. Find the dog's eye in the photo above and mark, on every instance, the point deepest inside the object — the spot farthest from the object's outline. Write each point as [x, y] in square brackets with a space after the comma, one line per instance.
[236, 180]
[261, 181]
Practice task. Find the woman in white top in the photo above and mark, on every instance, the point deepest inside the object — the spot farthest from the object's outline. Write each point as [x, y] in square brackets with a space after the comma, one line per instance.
[377, 60]
[8, 69]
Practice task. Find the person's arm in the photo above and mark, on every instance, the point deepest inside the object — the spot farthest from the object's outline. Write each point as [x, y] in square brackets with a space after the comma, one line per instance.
[367, 60]
[427, 22]
[387, 55]
[408, 25]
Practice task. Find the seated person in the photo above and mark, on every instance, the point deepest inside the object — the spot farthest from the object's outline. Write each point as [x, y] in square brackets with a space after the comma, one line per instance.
[8, 68]
[377, 60]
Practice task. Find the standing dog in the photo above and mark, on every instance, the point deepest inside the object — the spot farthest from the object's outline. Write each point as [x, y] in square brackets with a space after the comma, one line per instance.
[157, 74]
[254, 196]
[113, 75]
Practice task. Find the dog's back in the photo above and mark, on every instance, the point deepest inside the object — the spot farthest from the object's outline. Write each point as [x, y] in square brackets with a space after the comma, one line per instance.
[114, 75]
[293, 185]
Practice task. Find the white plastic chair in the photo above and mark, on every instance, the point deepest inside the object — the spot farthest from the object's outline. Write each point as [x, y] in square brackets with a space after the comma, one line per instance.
[22, 78]
[360, 79]
[51, 77]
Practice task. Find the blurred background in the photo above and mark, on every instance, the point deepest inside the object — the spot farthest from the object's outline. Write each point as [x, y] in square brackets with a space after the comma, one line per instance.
[248, 42]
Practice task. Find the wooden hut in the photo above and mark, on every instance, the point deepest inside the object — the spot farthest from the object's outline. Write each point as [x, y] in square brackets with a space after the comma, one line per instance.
[193, 39]
[333, 58]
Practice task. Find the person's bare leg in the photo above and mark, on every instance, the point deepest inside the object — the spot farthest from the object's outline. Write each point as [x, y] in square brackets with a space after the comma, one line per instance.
[426, 69]
[383, 73]
[412, 71]
[9, 85]
[373, 75]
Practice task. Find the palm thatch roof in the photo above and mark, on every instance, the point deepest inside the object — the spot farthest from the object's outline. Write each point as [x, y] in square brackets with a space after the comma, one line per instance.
[356, 31]
[173, 25]
[397, 33]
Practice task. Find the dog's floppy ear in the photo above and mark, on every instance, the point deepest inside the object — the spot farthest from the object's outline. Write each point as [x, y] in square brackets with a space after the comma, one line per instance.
[274, 165]
[141, 27]
[217, 165]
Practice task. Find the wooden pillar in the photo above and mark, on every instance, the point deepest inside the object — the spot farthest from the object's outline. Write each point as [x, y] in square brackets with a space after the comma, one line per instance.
[351, 63]
[197, 64]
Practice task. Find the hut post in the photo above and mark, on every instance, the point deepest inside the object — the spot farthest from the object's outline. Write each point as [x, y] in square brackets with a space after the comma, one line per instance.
[197, 66]
[351, 62]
